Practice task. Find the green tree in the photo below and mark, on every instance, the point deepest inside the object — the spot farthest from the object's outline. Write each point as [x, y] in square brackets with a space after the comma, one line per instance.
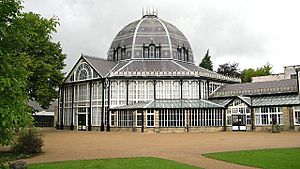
[229, 69]
[206, 62]
[247, 74]
[30, 65]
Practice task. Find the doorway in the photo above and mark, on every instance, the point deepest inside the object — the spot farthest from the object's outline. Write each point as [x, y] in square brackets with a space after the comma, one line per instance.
[239, 122]
[81, 122]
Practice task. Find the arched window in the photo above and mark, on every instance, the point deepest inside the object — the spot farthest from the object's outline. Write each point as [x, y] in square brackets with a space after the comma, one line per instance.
[83, 72]
[83, 75]
[182, 53]
[179, 53]
[187, 54]
[119, 53]
[123, 53]
[151, 51]
[119, 49]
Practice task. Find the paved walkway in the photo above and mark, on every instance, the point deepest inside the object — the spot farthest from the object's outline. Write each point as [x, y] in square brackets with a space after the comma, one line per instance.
[185, 147]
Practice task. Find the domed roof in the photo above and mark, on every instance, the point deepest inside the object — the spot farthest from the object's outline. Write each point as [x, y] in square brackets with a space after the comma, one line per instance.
[150, 38]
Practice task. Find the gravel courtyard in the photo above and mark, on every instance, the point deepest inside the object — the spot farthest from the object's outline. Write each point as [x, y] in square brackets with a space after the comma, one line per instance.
[184, 147]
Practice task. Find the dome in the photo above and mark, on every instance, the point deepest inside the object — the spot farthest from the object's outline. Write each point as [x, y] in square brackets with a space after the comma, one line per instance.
[150, 38]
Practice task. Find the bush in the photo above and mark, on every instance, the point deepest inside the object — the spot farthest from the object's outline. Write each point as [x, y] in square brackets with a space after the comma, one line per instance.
[29, 141]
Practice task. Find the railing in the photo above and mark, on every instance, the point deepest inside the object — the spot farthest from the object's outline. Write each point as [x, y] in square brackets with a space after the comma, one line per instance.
[144, 73]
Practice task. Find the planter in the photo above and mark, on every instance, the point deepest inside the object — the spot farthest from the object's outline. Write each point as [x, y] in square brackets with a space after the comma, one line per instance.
[275, 128]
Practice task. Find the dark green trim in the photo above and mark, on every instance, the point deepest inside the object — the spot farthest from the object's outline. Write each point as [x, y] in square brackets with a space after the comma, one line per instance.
[58, 111]
[108, 106]
[208, 91]
[181, 82]
[72, 117]
[297, 76]
[154, 89]
[127, 94]
[103, 104]
[62, 109]
[90, 109]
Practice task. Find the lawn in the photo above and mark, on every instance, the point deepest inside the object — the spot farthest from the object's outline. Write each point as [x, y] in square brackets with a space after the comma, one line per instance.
[132, 163]
[266, 158]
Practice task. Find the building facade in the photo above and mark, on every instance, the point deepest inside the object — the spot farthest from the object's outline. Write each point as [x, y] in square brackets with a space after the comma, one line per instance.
[149, 82]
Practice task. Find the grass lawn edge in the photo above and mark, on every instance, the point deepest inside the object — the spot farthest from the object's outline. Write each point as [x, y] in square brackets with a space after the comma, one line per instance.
[118, 158]
[211, 155]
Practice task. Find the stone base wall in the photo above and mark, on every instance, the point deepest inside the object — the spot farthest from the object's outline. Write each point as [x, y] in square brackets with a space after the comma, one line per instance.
[297, 128]
[128, 129]
[96, 128]
[205, 129]
[229, 128]
[172, 130]
[68, 128]
[183, 129]
[263, 128]
[269, 128]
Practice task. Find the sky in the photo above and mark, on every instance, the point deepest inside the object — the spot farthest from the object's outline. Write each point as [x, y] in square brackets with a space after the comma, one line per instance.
[251, 33]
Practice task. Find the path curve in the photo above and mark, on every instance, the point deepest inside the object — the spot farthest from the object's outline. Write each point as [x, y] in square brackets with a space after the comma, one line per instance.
[183, 147]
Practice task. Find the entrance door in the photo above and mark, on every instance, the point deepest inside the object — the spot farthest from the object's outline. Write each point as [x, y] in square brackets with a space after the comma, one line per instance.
[239, 122]
[81, 122]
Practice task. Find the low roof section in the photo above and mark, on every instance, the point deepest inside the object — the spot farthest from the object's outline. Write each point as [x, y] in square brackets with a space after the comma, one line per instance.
[288, 86]
[261, 101]
[38, 110]
[171, 104]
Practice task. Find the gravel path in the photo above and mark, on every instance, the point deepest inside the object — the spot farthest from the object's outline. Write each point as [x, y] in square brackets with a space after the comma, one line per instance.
[185, 147]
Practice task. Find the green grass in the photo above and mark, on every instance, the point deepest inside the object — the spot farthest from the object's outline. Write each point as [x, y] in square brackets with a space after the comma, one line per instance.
[132, 163]
[267, 158]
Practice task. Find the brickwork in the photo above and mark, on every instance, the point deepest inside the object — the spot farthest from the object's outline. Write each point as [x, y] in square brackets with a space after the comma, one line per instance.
[156, 123]
[286, 118]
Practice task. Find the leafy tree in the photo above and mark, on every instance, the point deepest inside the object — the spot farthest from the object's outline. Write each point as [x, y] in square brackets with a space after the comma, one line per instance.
[247, 74]
[229, 69]
[206, 62]
[30, 65]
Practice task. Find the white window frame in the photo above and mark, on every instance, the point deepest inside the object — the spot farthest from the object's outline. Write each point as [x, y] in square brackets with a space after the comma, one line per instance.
[296, 109]
[136, 118]
[257, 112]
[234, 109]
[150, 112]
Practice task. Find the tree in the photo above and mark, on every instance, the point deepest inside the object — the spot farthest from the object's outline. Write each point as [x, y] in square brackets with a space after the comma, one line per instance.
[30, 65]
[206, 62]
[229, 69]
[247, 74]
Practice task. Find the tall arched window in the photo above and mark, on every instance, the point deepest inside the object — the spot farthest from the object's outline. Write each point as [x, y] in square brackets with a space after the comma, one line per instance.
[179, 53]
[119, 53]
[182, 53]
[151, 51]
[83, 72]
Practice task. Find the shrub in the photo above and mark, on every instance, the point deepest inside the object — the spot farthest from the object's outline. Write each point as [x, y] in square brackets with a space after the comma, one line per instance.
[276, 128]
[29, 141]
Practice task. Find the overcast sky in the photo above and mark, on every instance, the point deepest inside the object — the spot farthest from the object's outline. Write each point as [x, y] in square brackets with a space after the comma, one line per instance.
[250, 33]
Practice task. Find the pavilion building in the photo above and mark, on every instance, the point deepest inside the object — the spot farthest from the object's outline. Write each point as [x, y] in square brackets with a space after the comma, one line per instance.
[149, 82]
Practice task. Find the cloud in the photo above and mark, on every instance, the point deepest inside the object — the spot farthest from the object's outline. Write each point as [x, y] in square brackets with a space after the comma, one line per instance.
[243, 31]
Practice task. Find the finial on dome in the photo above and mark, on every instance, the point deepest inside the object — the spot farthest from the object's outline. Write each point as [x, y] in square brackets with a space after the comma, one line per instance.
[150, 10]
